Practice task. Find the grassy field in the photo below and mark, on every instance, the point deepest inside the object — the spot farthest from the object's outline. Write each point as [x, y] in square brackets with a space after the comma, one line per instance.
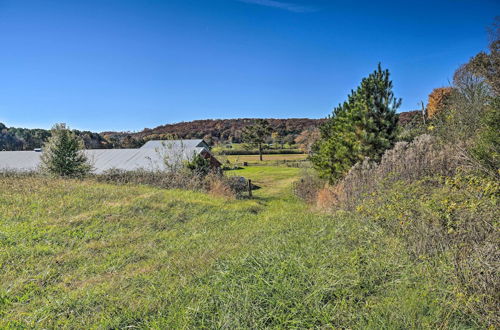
[268, 160]
[255, 158]
[79, 254]
[242, 146]
[275, 182]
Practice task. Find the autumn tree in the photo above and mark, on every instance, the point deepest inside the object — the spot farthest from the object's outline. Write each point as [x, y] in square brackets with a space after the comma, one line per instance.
[255, 135]
[487, 65]
[472, 122]
[439, 99]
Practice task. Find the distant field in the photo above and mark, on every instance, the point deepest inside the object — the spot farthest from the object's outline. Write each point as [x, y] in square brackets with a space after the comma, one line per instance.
[241, 146]
[240, 149]
[254, 159]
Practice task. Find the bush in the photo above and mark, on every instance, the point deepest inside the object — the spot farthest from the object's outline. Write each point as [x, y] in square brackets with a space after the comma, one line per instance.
[238, 185]
[408, 162]
[199, 165]
[485, 151]
[422, 193]
[308, 186]
[470, 121]
[415, 124]
[440, 193]
[161, 179]
[220, 188]
[455, 221]
[214, 183]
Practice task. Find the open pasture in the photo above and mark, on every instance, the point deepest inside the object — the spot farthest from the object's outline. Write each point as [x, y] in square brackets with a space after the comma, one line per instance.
[81, 254]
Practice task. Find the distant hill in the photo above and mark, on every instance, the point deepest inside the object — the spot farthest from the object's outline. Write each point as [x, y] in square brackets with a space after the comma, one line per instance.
[217, 130]
[212, 130]
[408, 116]
[223, 130]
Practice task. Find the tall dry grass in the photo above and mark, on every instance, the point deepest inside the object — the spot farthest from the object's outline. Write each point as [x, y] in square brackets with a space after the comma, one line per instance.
[424, 157]
[424, 192]
[214, 183]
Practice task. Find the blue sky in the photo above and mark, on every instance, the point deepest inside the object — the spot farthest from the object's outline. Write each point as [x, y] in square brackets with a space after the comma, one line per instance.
[126, 65]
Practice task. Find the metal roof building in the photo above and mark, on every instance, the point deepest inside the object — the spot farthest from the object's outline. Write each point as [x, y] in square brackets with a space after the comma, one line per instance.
[176, 144]
[152, 156]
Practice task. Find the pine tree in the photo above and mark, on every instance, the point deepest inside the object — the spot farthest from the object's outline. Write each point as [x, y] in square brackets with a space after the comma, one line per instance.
[62, 154]
[363, 126]
[378, 114]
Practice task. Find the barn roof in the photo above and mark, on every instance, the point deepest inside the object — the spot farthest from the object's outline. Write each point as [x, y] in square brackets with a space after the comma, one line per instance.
[175, 144]
[147, 158]
[19, 160]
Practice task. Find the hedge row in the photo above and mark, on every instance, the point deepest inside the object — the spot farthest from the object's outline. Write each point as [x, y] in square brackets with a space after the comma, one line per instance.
[256, 152]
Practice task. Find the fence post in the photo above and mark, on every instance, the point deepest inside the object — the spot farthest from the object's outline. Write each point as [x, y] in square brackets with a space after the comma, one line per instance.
[249, 188]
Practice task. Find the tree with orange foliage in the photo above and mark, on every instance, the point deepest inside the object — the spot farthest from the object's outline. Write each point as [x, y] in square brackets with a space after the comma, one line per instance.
[439, 98]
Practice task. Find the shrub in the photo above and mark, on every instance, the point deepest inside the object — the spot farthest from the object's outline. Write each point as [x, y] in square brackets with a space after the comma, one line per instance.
[217, 184]
[485, 151]
[161, 179]
[220, 188]
[456, 220]
[326, 197]
[406, 162]
[199, 165]
[421, 192]
[415, 124]
[238, 185]
[308, 186]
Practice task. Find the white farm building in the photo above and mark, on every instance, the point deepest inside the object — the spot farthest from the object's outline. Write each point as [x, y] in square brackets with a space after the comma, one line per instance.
[151, 156]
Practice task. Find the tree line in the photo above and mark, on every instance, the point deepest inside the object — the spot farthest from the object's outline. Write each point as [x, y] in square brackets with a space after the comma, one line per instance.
[217, 131]
[18, 139]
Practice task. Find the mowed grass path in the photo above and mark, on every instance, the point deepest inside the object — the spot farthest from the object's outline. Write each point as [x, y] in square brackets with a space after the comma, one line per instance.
[274, 182]
[78, 254]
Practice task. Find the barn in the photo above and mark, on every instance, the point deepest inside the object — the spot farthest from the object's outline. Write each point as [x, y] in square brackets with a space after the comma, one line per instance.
[152, 156]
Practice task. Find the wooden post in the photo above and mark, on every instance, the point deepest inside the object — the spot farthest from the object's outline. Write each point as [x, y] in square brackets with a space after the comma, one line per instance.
[249, 188]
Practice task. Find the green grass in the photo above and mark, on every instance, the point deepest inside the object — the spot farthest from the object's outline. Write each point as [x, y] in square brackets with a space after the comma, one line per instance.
[268, 160]
[275, 182]
[79, 254]
[255, 158]
[243, 146]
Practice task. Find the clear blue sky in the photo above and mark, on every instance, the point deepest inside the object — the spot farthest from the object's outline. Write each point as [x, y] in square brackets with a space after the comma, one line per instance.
[126, 65]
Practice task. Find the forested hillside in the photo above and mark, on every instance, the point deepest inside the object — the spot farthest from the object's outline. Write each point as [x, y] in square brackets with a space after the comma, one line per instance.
[219, 130]
[213, 131]
[16, 139]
